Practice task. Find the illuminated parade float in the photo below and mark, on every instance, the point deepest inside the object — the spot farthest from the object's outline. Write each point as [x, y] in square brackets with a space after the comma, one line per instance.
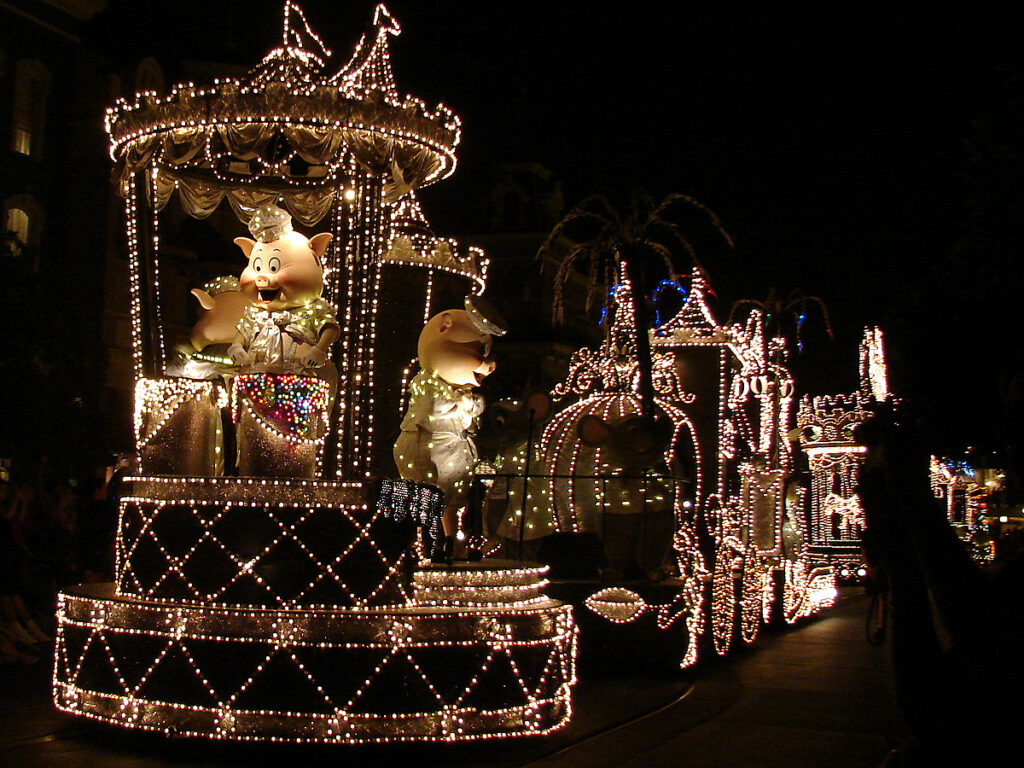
[967, 494]
[289, 601]
[687, 512]
[751, 530]
[274, 582]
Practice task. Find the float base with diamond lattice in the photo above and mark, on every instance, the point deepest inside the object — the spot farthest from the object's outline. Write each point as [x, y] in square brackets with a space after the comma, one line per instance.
[418, 672]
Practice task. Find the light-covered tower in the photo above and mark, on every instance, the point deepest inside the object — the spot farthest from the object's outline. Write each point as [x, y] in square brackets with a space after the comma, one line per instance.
[827, 425]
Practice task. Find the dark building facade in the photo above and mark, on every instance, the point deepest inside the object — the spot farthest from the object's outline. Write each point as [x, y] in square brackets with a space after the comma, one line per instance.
[56, 223]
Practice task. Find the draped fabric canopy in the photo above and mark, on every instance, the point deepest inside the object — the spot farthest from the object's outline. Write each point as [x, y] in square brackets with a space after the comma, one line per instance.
[255, 146]
[200, 198]
[286, 131]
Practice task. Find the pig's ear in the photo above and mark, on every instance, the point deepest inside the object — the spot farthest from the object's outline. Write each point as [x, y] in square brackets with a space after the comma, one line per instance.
[205, 299]
[318, 244]
[446, 322]
[245, 244]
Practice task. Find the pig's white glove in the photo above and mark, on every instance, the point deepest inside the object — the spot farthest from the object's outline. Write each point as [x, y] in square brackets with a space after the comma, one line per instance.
[313, 357]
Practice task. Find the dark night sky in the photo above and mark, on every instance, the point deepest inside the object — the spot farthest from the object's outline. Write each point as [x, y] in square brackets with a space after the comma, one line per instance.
[830, 138]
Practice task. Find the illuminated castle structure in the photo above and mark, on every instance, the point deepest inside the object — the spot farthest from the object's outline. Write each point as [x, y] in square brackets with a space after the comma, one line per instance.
[290, 605]
[966, 493]
[826, 426]
[722, 479]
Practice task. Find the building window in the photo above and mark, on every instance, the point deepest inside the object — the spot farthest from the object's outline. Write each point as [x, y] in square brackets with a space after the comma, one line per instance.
[23, 224]
[31, 87]
[512, 210]
[17, 229]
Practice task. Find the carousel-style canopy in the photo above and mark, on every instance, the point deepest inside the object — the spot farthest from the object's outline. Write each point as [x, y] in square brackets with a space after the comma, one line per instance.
[414, 243]
[286, 131]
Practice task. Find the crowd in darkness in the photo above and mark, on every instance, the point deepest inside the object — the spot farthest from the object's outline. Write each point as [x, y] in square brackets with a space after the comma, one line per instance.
[52, 535]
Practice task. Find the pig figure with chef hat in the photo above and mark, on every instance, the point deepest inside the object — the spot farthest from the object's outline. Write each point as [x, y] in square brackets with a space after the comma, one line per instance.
[288, 327]
[436, 443]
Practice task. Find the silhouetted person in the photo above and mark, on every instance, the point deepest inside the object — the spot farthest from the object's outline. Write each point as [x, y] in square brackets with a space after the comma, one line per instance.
[97, 528]
[956, 631]
[52, 542]
[19, 634]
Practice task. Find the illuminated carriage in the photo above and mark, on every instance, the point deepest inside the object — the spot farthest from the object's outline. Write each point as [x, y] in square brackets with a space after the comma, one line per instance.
[717, 497]
[289, 604]
[750, 517]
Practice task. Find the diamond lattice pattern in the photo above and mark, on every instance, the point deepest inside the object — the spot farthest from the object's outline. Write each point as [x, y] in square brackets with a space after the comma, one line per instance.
[261, 554]
[280, 677]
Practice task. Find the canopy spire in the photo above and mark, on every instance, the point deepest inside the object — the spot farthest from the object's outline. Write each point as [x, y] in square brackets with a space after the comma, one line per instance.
[369, 69]
[298, 34]
[300, 59]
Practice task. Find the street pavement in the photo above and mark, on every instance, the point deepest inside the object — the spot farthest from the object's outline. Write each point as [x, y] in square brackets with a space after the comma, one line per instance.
[815, 695]
[812, 695]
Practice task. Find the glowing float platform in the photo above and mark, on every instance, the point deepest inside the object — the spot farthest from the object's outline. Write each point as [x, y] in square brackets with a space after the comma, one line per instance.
[294, 610]
[267, 606]
[415, 672]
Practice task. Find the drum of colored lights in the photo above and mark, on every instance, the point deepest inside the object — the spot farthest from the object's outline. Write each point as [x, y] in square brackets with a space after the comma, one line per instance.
[293, 405]
[320, 675]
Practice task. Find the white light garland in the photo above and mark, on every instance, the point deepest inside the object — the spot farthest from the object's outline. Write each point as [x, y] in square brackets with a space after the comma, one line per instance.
[617, 605]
